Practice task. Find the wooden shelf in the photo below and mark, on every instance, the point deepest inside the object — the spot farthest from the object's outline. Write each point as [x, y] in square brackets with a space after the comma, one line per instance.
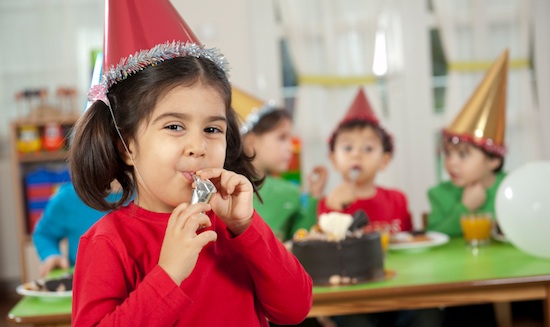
[24, 162]
[43, 156]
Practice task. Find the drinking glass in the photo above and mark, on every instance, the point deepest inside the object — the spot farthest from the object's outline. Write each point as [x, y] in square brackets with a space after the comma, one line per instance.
[476, 228]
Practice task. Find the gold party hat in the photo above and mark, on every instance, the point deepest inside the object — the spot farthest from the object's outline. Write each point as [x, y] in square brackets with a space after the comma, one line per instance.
[482, 120]
[249, 108]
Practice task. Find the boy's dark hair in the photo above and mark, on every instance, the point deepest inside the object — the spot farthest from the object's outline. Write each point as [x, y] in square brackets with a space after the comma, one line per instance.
[490, 155]
[95, 157]
[270, 120]
[385, 138]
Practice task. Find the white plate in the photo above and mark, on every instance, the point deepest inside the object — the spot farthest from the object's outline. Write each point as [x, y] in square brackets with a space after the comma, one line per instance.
[435, 239]
[47, 295]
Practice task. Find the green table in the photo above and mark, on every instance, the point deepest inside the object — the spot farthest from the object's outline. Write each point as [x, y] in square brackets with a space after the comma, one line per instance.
[43, 311]
[451, 274]
[40, 312]
[446, 275]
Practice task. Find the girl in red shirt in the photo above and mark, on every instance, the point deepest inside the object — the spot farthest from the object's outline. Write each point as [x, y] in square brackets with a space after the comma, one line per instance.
[160, 116]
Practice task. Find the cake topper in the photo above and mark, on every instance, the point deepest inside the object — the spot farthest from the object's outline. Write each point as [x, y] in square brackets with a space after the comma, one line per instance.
[360, 220]
[335, 225]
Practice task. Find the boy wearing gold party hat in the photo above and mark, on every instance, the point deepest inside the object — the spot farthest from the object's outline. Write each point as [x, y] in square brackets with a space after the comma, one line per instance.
[267, 135]
[474, 149]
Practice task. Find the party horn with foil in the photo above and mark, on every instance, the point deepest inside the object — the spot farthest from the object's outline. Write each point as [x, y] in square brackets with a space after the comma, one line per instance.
[203, 190]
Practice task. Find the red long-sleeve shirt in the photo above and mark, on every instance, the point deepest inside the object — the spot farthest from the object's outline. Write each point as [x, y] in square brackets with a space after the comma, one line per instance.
[238, 281]
[387, 206]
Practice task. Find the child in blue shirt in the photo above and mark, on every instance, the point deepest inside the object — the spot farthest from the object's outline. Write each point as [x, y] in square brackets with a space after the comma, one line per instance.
[65, 216]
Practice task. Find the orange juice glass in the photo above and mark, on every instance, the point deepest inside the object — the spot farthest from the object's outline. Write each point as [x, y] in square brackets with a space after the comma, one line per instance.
[385, 239]
[385, 233]
[477, 228]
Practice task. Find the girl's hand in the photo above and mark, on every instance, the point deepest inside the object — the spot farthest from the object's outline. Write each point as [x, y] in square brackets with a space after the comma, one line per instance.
[233, 201]
[52, 262]
[182, 245]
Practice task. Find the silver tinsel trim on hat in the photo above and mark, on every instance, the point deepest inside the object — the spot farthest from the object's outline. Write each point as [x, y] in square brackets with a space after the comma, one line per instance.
[254, 117]
[140, 60]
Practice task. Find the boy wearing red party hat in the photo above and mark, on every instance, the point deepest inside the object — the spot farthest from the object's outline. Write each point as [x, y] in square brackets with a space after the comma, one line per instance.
[360, 148]
[189, 250]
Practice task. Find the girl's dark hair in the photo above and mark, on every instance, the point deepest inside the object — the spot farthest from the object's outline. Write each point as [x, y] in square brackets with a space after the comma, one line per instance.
[96, 156]
[385, 137]
[270, 120]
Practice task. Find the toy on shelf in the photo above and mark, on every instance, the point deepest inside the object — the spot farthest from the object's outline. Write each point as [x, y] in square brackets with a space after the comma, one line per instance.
[41, 126]
[28, 139]
[52, 137]
[66, 97]
[28, 99]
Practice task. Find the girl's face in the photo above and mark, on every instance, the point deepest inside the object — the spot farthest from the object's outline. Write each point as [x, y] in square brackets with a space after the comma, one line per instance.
[467, 164]
[186, 132]
[359, 149]
[273, 149]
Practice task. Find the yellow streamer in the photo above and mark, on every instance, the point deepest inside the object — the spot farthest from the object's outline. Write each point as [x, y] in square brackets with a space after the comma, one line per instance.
[483, 65]
[335, 80]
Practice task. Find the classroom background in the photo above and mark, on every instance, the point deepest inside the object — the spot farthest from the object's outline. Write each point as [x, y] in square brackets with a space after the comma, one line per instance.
[418, 60]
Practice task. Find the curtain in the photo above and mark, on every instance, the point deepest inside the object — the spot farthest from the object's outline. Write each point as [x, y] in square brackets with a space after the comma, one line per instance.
[332, 47]
[474, 33]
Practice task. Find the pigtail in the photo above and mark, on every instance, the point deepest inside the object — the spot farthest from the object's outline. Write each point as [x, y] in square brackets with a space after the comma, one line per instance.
[94, 160]
[236, 158]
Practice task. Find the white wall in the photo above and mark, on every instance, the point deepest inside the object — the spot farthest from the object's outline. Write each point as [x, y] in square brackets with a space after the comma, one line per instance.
[245, 32]
[43, 44]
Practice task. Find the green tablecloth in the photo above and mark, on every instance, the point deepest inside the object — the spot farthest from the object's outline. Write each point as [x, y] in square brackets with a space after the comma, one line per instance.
[453, 262]
[33, 306]
[448, 263]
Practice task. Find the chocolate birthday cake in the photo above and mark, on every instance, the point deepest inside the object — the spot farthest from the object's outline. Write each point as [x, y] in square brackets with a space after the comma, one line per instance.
[339, 251]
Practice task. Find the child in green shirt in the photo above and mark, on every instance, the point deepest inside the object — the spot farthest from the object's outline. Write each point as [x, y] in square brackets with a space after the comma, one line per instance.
[473, 149]
[475, 176]
[267, 134]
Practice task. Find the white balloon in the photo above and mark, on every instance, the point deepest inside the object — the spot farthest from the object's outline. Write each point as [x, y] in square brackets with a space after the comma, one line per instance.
[522, 208]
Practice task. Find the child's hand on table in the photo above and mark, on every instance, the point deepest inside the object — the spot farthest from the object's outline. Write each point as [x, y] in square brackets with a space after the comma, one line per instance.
[52, 262]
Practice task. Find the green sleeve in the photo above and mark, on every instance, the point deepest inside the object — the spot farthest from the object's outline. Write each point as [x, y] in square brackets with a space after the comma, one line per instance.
[489, 205]
[446, 209]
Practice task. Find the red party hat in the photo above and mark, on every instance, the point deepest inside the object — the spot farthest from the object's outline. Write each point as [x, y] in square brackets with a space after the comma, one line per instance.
[143, 33]
[360, 109]
[134, 25]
